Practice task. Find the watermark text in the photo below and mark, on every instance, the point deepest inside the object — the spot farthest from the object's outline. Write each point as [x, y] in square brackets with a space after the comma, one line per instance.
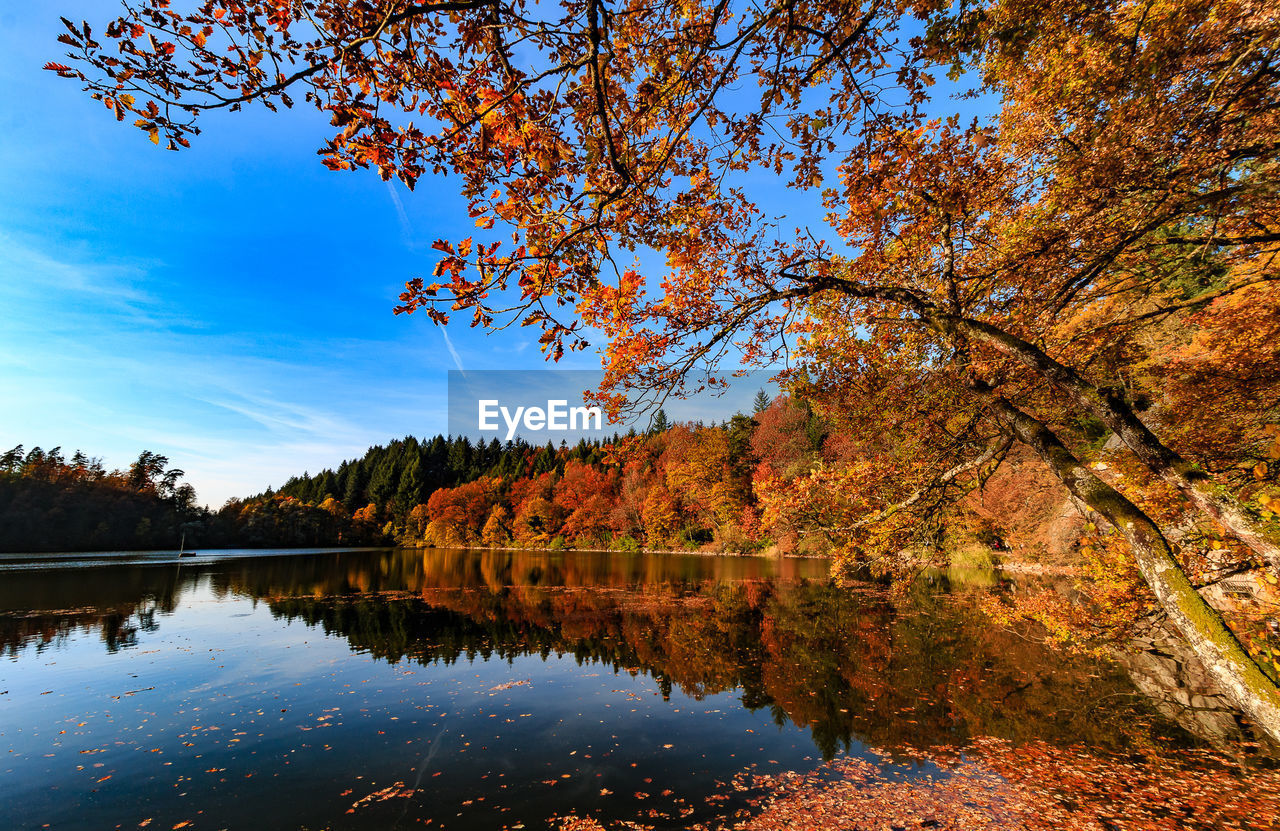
[557, 416]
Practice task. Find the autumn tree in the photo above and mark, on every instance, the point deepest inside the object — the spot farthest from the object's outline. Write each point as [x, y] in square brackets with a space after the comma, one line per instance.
[1229, 364]
[698, 466]
[457, 515]
[588, 493]
[538, 521]
[781, 439]
[661, 517]
[496, 532]
[626, 518]
[419, 518]
[1008, 265]
[366, 516]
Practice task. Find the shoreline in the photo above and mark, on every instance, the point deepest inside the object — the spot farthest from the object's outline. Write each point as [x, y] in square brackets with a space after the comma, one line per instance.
[422, 547]
[1010, 566]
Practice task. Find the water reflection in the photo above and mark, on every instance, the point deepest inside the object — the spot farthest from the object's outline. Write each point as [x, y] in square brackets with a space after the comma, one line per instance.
[855, 667]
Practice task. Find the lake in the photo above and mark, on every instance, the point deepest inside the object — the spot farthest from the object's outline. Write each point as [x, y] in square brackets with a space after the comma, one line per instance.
[487, 690]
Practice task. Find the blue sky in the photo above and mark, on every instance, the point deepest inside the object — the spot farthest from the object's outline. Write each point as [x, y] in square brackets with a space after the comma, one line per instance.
[228, 306]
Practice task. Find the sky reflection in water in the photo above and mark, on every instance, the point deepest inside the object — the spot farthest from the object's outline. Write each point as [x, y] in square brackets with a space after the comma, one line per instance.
[383, 689]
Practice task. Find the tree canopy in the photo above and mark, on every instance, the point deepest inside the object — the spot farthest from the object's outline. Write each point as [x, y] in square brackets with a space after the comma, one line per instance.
[1031, 209]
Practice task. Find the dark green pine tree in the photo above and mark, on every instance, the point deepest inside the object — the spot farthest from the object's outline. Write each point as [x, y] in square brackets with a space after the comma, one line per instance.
[659, 424]
[460, 461]
[492, 456]
[354, 495]
[384, 479]
[410, 490]
[326, 486]
[435, 459]
[11, 461]
[545, 461]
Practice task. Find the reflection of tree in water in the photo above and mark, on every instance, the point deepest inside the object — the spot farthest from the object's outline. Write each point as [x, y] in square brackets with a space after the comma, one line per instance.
[848, 666]
[899, 673]
[118, 627]
[42, 610]
[121, 630]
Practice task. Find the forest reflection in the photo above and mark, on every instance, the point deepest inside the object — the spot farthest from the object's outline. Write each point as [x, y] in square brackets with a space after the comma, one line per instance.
[901, 673]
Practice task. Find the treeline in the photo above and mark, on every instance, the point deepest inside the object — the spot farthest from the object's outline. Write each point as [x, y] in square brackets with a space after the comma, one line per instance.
[52, 503]
[683, 486]
[407, 471]
[688, 486]
[49, 502]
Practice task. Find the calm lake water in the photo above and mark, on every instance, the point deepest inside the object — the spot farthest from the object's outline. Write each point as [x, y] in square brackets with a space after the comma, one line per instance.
[486, 690]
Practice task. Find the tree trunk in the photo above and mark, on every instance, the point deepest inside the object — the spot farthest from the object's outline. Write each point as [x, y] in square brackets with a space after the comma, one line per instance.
[1196, 485]
[1204, 629]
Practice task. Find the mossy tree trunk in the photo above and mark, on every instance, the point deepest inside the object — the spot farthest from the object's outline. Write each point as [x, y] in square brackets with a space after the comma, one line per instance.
[1200, 624]
[1195, 485]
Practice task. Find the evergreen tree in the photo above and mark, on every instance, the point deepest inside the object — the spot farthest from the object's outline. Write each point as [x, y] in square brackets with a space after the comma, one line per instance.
[545, 461]
[659, 424]
[384, 480]
[353, 496]
[412, 486]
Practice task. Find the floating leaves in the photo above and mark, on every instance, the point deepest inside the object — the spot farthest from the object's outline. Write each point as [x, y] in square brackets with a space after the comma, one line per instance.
[396, 791]
[510, 685]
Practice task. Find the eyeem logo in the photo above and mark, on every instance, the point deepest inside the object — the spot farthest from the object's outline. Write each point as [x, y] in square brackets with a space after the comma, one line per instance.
[557, 416]
[541, 406]
[535, 406]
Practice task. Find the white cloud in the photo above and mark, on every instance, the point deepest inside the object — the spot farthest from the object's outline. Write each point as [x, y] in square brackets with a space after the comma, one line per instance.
[92, 357]
[453, 352]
